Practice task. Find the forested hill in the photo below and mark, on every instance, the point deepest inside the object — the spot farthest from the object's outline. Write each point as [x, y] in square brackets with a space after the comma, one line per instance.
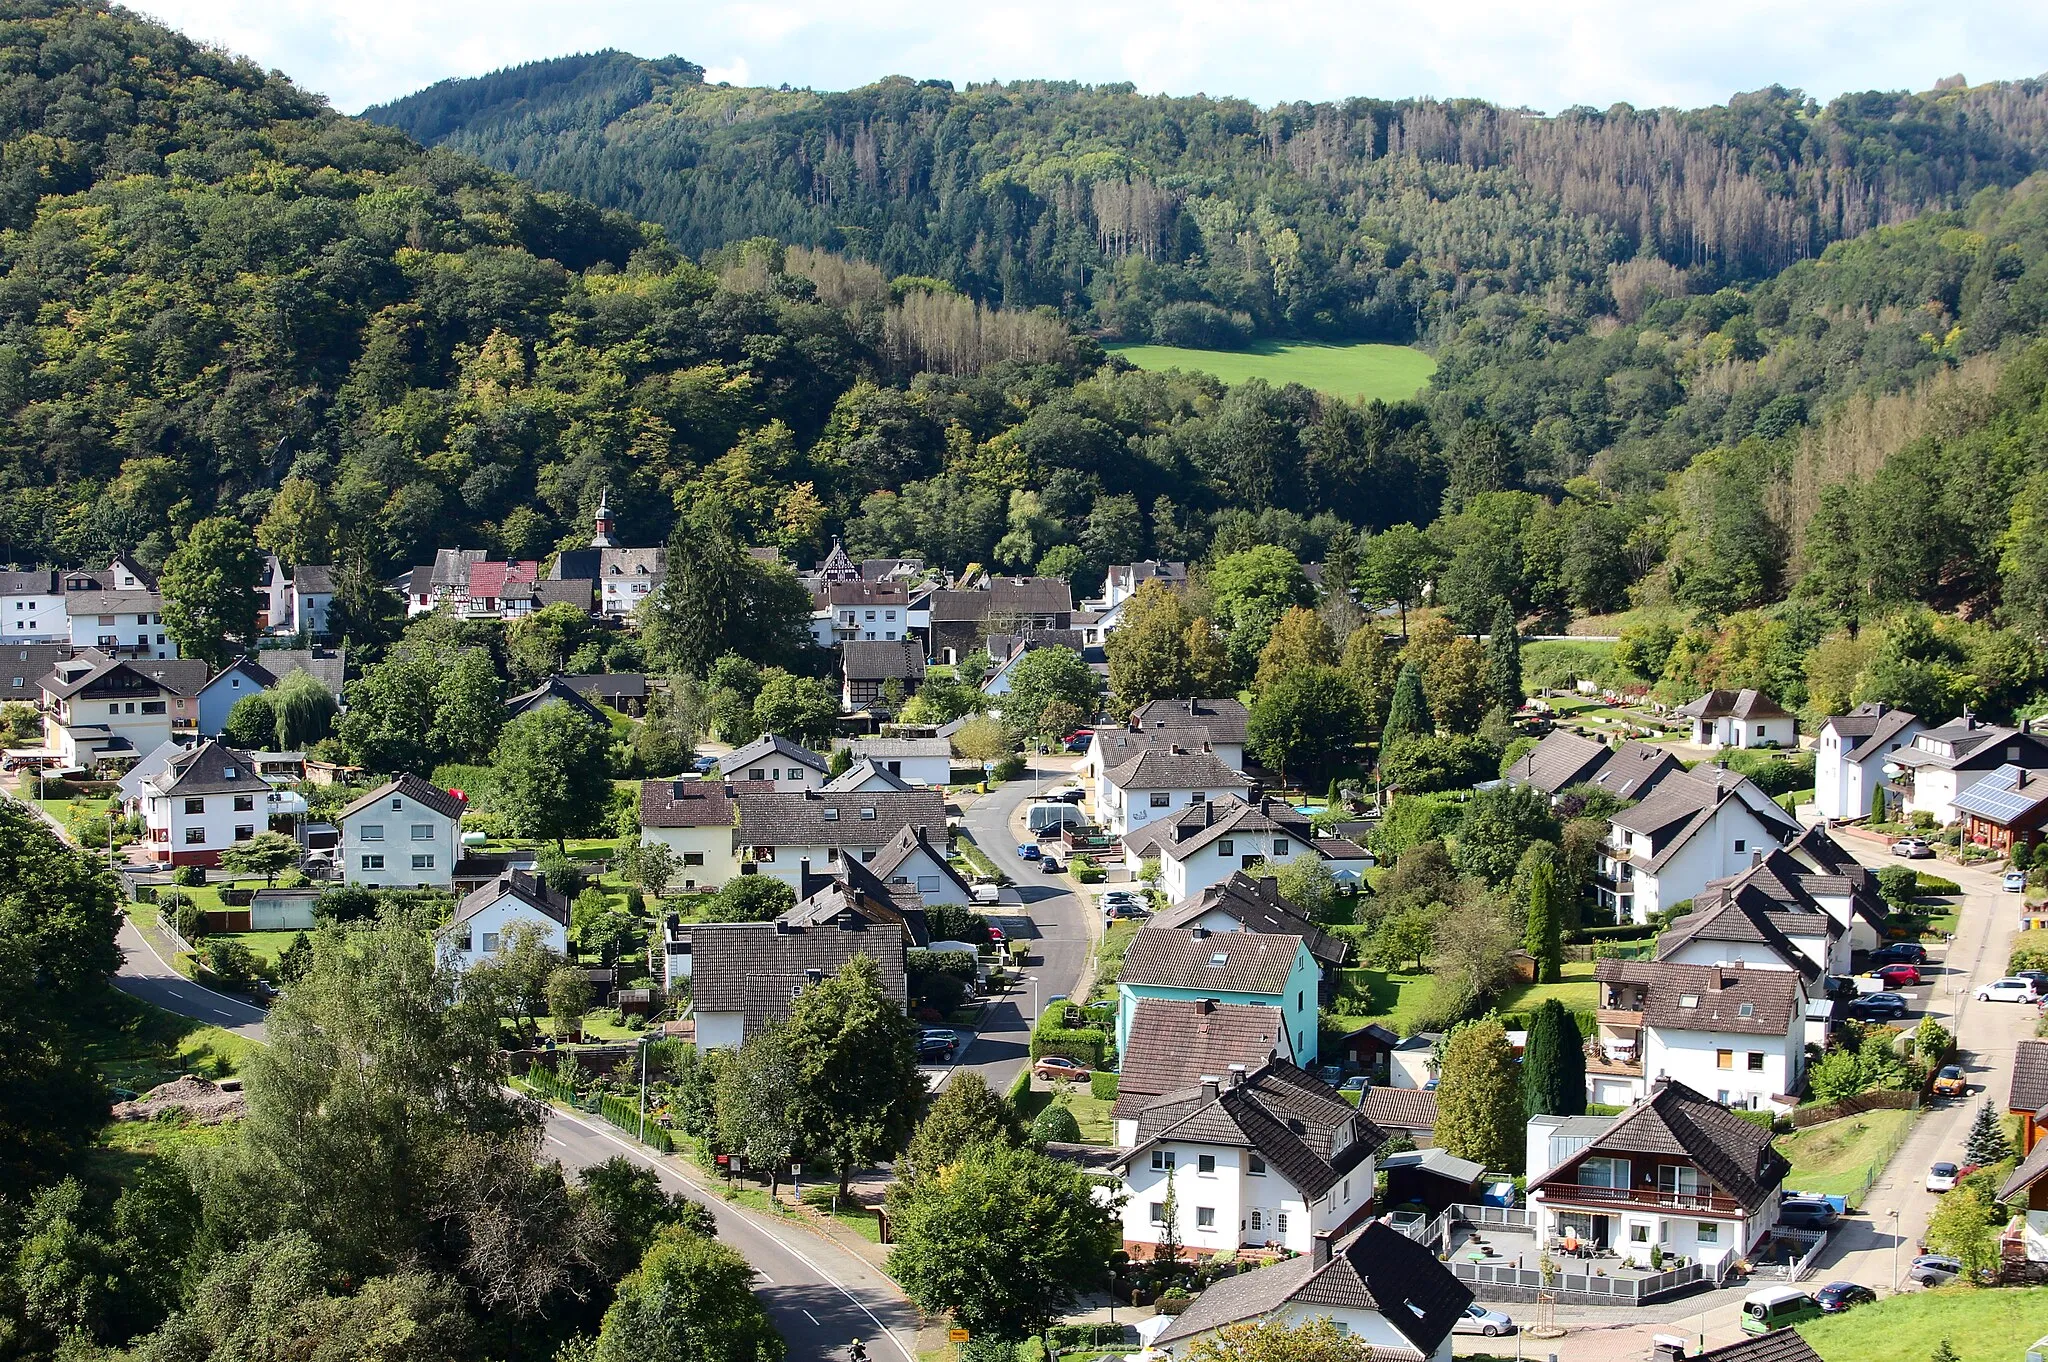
[1364, 218]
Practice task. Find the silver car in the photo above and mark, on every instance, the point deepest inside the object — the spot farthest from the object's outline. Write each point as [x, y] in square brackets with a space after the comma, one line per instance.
[1477, 1319]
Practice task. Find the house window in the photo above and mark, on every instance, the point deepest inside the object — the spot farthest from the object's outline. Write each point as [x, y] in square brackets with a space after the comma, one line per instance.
[490, 941]
[693, 858]
[1756, 1061]
[1205, 1163]
[373, 832]
[425, 862]
[373, 862]
[463, 943]
[868, 814]
[1707, 1232]
[195, 804]
[927, 884]
[1602, 1172]
[423, 832]
[1205, 1217]
[1280, 1222]
[244, 831]
[195, 836]
[1724, 1059]
[1159, 1213]
[756, 774]
[1639, 1234]
[1224, 847]
[1199, 797]
[1257, 1167]
[1740, 846]
[764, 855]
[1162, 1160]
[1280, 846]
[832, 854]
[245, 803]
[397, 802]
[831, 815]
[152, 706]
[1160, 799]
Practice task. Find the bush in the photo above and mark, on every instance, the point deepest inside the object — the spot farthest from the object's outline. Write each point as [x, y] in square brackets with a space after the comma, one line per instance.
[1102, 1086]
[1774, 775]
[1051, 1037]
[1415, 818]
[2028, 956]
[1201, 326]
[958, 964]
[1011, 767]
[1055, 1123]
[1086, 871]
[1766, 1119]
[231, 962]
[563, 874]
[1935, 884]
[192, 875]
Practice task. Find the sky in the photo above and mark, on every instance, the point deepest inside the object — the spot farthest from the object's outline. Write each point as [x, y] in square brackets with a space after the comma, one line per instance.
[1542, 56]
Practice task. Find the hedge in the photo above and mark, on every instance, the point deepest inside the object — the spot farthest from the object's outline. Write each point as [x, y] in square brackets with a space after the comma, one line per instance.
[1102, 1086]
[959, 964]
[1052, 1037]
[1774, 775]
[626, 1116]
[1086, 871]
[1935, 884]
[1628, 931]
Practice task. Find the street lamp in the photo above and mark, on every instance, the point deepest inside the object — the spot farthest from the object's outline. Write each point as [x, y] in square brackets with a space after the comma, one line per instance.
[1895, 1250]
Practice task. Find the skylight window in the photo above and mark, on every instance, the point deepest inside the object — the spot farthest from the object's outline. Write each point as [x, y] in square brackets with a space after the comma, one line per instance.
[1219, 959]
[1746, 1010]
[1689, 1000]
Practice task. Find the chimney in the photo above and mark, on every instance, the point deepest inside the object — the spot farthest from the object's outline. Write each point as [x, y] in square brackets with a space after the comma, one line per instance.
[1236, 1075]
[1198, 933]
[1667, 1348]
[1319, 1252]
[1209, 1087]
[782, 928]
[1205, 1005]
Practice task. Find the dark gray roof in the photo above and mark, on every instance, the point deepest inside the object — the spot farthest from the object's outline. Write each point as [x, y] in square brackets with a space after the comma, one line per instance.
[1379, 1270]
[1685, 802]
[814, 818]
[1973, 745]
[608, 686]
[2029, 1077]
[413, 788]
[902, 747]
[1872, 726]
[1739, 704]
[902, 847]
[1004, 595]
[313, 579]
[1675, 1120]
[24, 665]
[1559, 759]
[860, 773]
[577, 591]
[1222, 720]
[1219, 962]
[1167, 768]
[856, 900]
[1634, 769]
[513, 884]
[766, 746]
[38, 582]
[112, 603]
[752, 967]
[273, 665]
[1779, 1345]
[554, 691]
[1304, 1130]
[1258, 905]
[186, 676]
[882, 659]
[1175, 1043]
[685, 804]
[211, 768]
[1718, 993]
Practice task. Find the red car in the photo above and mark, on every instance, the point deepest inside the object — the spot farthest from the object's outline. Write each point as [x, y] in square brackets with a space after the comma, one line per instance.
[1897, 976]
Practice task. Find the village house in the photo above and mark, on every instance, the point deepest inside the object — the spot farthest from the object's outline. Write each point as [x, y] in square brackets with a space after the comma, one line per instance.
[910, 864]
[868, 669]
[1216, 725]
[2007, 808]
[554, 691]
[1941, 763]
[1739, 718]
[2025, 1190]
[1254, 1158]
[1763, 917]
[1253, 969]
[850, 899]
[745, 975]
[1696, 826]
[862, 776]
[1208, 841]
[442, 582]
[1377, 1286]
[1005, 651]
[32, 608]
[1674, 1172]
[784, 834]
[1736, 1032]
[197, 802]
[1849, 755]
[695, 820]
[487, 916]
[1175, 1041]
[105, 711]
[297, 598]
[121, 623]
[1562, 760]
[625, 692]
[920, 761]
[843, 611]
[961, 621]
[250, 674]
[406, 833]
[618, 578]
[1158, 781]
[776, 763]
[1407, 1112]
[1243, 904]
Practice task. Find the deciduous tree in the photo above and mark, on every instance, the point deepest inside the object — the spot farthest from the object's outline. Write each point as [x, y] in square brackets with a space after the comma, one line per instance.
[1478, 1102]
[268, 854]
[856, 1060]
[553, 768]
[691, 1301]
[1306, 722]
[209, 589]
[966, 1113]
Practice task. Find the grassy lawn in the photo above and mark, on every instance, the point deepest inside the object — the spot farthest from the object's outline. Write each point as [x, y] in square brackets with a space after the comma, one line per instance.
[1981, 1325]
[1392, 998]
[1575, 991]
[1388, 372]
[1090, 1112]
[268, 945]
[1836, 1157]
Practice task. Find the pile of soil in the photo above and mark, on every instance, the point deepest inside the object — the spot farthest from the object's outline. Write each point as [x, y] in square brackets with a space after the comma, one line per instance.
[201, 1102]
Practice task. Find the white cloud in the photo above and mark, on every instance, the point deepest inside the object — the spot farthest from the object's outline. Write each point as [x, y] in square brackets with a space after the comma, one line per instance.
[1574, 52]
[733, 72]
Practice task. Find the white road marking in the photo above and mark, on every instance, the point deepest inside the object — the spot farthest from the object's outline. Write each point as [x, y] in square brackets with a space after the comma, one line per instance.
[813, 1319]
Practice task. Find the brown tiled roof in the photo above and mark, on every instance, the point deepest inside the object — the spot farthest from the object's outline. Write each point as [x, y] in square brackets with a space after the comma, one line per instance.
[1174, 1044]
[800, 817]
[1675, 1120]
[2029, 1077]
[1169, 768]
[1257, 904]
[1222, 720]
[413, 788]
[1719, 995]
[1004, 596]
[751, 967]
[1378, 1269]
[685, 804]
[1740, 704]
[1218, 962]
[1304, 1130]
[1779, 1345]
[211, 768]
[1399, 1108]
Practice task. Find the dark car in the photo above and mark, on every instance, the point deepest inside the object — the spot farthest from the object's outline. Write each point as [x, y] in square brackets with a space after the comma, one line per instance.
[1899, 953]
[1878, 1007]
[1836, 1297]
[1050, 864]
[1080, 742]
[1802, 1213]
[933, 1050]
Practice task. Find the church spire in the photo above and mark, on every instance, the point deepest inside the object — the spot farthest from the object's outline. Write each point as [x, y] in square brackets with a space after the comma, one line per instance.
[603, 538]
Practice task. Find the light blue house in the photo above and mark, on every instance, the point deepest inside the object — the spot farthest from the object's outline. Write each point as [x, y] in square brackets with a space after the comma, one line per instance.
[249, 674]
[1255, 969]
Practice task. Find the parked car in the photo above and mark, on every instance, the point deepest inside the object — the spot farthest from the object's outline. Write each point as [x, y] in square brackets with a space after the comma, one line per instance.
[1899, 953]
[703, 764]
[1050, 864]
[1913, 848]
[1950, 1082]
[986, 894]
[1878, 1007]
[2007, 991]
[1125, 912]
[1477, 1319]
[1942, 1177]
[1934, 1269]
[1028, 850]
[934, 1051]
[2039, 976]
[1355, 1083]
[1080, 742]
[1802, 1213]
[1056, 1070]
[995, 935]
[2015, 881]
[1836, 1297]
[1065, 794]
[1897, 976]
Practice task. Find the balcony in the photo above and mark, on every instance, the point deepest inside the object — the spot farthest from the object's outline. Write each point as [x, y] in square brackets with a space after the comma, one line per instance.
[1619, 1016]
[1587, 1194]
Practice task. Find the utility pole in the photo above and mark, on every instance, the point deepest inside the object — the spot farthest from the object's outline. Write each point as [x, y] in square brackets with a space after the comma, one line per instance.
[643, 1089]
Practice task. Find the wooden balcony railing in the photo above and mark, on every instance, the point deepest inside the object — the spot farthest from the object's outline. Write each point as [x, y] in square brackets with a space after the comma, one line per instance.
[1583, 1193]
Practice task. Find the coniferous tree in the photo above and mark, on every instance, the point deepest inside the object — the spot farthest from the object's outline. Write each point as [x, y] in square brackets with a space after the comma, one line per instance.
[1408, 716]
[1987, 1144]
[1554, 1064]
[1504, 660]
[1544, 935]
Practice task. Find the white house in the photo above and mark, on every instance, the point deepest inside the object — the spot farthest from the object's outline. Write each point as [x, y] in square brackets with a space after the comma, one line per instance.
[1156, 782]
[1739, 718]
[32, 608]
[1239, 903]
[776, 760]
[694, 819]
[1214, 725]
[1208, 842]
[1269, 1157]
[487, 916]
[1763, 917]
[129, 623]
[1941, 763]
[843, 610]
[783, 833]
[1675, 1172]
[862, 776]
[1175, 1042]
[199, 801]
[402, 835]
[920, 761]
[1849, 755]
[910, 862]
[1696, 826]
[1736, 1032]
[103, 710]
[1377, 1287]
[744, 975]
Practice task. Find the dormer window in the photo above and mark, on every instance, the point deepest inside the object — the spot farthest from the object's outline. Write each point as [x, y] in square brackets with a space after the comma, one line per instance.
[227, 773]
[868, 814]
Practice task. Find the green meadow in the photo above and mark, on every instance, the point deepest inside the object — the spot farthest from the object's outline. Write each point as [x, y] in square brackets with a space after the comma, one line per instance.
[1387, 372]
